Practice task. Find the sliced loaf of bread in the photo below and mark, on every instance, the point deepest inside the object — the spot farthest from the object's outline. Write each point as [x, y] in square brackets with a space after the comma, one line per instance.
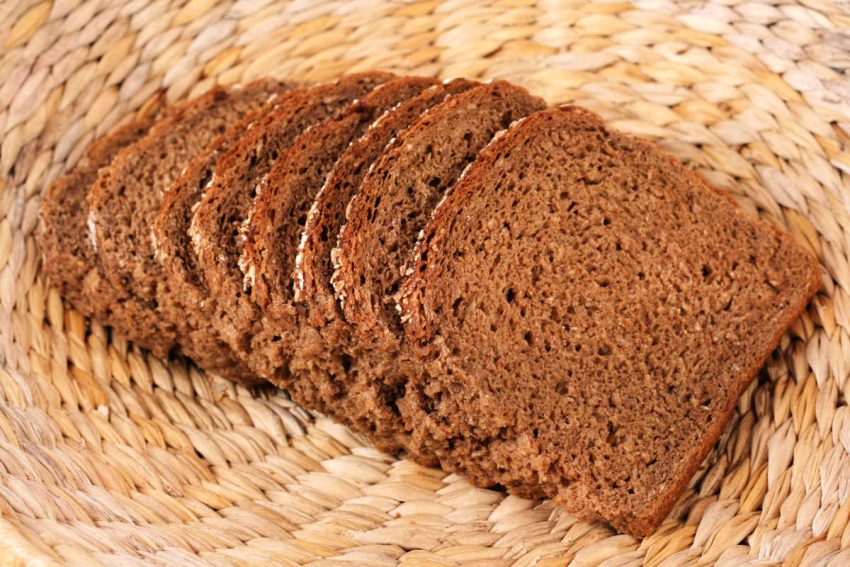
[280, 212]
[185, 300]
[216, 226]
[383, 219]
[321, 353]
[125, 199]
[584, 307]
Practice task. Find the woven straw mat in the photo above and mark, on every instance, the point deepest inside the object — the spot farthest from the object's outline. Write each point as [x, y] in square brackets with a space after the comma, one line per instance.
[109, 456]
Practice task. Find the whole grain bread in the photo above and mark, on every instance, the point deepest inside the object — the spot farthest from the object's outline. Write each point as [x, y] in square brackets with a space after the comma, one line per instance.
[217, 223]
[320, 354]
[185, 299]
[584, 308]
[274, 230]
[125, 199]
[383, 219]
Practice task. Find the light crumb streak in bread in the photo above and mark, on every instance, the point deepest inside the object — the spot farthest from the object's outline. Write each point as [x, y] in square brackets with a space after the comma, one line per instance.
[157, 251]
[91, 223]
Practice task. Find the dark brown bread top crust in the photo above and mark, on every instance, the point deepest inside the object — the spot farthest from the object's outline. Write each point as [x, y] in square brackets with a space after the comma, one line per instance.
[185, 299]
[647, 300]
[391, 206]
[280, 211]
[125, 199]
[320, 357]
[217, 223]
[68, 255]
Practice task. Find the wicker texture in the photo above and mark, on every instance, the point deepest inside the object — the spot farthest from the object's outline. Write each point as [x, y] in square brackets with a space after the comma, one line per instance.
[111, 456]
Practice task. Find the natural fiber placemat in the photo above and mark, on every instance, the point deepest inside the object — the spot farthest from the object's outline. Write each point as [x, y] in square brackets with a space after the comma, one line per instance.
[110, 456]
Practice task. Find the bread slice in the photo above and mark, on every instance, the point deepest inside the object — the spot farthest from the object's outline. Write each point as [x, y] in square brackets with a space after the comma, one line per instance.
[185, 300]
[274, 230]
[585, 307]
[383, 219]
[125, 199]
[313, 268]
[70, 261]
[319, 356]
[69, 257]
[216, 225]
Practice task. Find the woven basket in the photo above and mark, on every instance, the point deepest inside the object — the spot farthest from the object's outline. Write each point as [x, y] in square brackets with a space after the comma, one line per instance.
[111, 456]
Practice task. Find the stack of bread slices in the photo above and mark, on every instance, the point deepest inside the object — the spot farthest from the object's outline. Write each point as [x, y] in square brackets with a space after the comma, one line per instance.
[510, 291]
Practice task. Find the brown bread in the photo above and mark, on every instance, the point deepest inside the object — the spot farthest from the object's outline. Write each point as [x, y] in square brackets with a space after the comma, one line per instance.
[314, 268]
[125, 199]
[585, 308]
[320, 355]
[185, 300]
[383, 219]
[69, 258]
[280, 212]
[217, 223]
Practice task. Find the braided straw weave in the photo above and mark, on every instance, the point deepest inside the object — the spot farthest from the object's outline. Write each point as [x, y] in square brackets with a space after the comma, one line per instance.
[111, 456]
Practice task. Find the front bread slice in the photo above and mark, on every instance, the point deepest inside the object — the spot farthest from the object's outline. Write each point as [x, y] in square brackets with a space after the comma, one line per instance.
[584, 306]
